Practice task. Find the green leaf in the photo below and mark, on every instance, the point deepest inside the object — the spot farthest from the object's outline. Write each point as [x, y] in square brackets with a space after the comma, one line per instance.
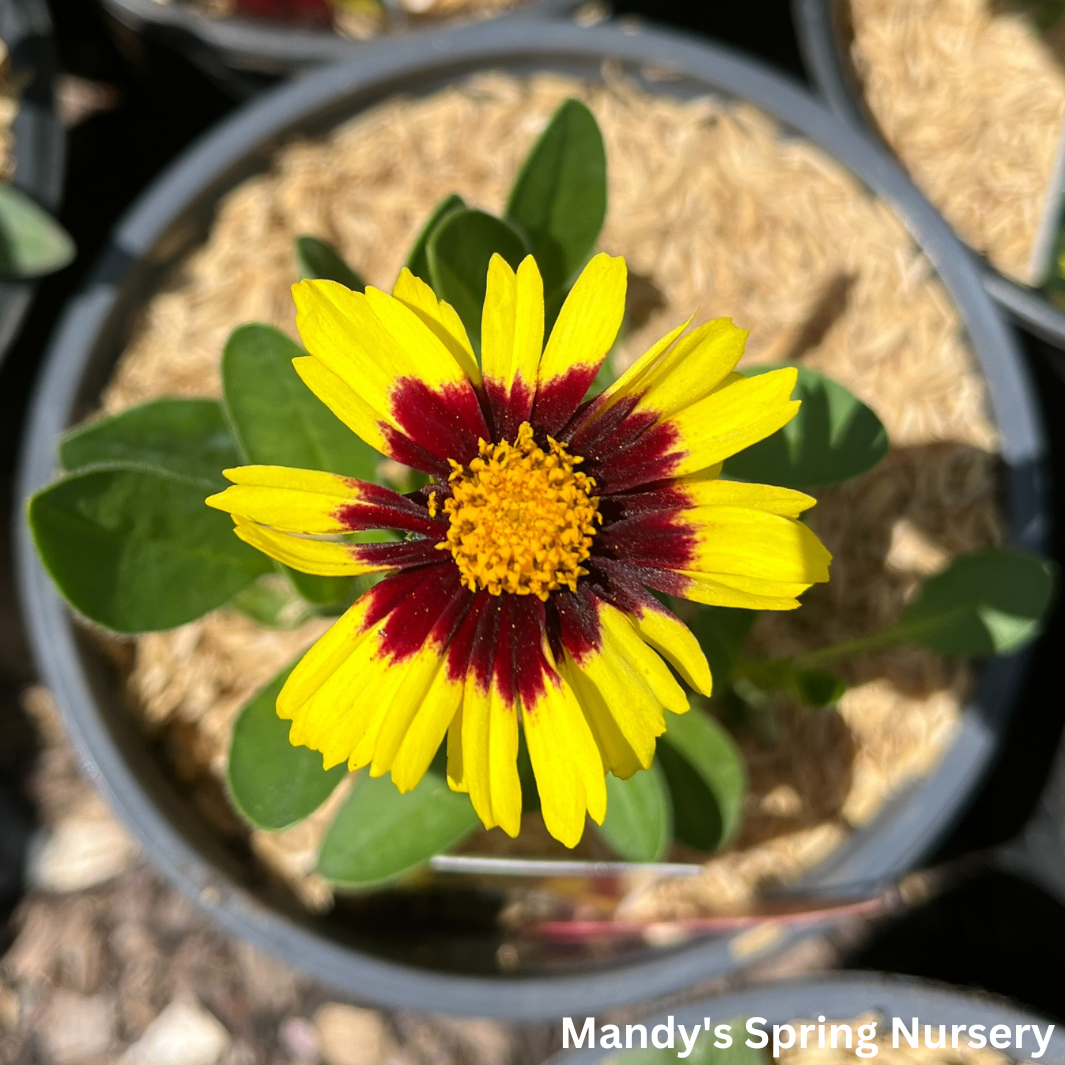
[317, 258]
[279, 422]
[379, 835]
[833, 437]
[136, 550]
[32, 242]
[638, 822]
[707, 779]
[187, 437]
[272, 783]
[418, 259]
[272, 601]
[559, 197]
[989, 602]
[459, 251]
[703, 1053]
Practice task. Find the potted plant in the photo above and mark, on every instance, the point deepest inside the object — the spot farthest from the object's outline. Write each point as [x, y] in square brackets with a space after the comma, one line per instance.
[958, 148]
[767, 678]
[31, 162]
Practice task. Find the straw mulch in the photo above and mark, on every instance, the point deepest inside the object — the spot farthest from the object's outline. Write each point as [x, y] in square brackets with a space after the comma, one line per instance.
[973, 102]
[717, 212]
[8, 111]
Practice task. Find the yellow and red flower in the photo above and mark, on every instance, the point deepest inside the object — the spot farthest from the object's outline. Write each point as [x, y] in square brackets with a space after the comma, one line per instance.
[519, 595]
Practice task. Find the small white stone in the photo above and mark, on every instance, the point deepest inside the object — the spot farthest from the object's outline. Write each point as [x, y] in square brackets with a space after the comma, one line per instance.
[75, 1028]
[348, 1035]
[183, 1034]
[82, 851]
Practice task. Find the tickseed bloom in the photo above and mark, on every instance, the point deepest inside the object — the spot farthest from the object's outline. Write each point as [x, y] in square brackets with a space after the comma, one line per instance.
[518, 596]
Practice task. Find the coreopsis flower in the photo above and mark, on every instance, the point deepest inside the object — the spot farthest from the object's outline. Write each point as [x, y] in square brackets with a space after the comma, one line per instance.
[519, 595]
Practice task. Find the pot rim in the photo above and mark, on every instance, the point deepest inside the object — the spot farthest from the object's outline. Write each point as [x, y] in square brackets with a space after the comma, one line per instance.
[844, 996]
[247, 44]
[26, 29]
[821, 55]
[873, 856]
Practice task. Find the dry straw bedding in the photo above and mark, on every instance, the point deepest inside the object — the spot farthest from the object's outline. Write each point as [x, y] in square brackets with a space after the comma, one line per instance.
[973, 101]
[8, 111]
[714, 210]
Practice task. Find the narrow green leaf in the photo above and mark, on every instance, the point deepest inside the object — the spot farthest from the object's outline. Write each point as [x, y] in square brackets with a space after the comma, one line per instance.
[418, 259]
[187, 437]
[317, 258]
[32, 242]
[989, 602]
[272, 783]
[379, 835]
[136, 550]
[559, 197]
[707, 779]
[459, 251]
[812, 687]
[833, 437]
[639, 816]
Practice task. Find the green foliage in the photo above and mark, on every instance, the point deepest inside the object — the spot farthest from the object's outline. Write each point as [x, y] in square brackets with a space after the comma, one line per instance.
[833, 438]
[272, 783]
[707, 779]
[990, 602]
[317, 258]
[32, 242]
[273, 602]
[186, 437]
[559, 198]
[639, 816]
[811, 687]
[136, 550]
[379, 835]
[418, 259]
[459, 250]
[703, 1053]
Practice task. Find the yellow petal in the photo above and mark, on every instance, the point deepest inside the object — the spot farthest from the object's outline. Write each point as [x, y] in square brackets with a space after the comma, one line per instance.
[512, 322]
[343, 401]
[325, 558]
[589, 320]
[716, 493]
[757, 544]
[292, 500]
[490, 755]
[456, 771]
[637, 377]
[616, 751]
[620, 639]
[371, 341]
[716, 589]
[673, 639]
[566, 762]
[739, 413]
[426, 731]
[420, 669]
[439, 316]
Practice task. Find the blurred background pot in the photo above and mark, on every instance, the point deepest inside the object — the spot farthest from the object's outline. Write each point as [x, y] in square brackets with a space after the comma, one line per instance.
[36, 133]
[173, 217]
[238, 45]
[823, 30]
[844, 997]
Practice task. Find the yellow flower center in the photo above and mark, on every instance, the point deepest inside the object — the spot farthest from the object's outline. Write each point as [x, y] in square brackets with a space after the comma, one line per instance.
[522, 519]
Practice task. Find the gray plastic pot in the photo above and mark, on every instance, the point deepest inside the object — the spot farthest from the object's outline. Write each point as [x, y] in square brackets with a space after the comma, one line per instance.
[258, 47]
[845, 996]
[819, 39]
[26, 29]
[173, 216]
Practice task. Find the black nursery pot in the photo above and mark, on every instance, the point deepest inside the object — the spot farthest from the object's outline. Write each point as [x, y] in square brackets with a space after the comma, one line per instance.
[26, 29]
[819, 27]
[847, 996]
[257, 47]
[173, 216]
